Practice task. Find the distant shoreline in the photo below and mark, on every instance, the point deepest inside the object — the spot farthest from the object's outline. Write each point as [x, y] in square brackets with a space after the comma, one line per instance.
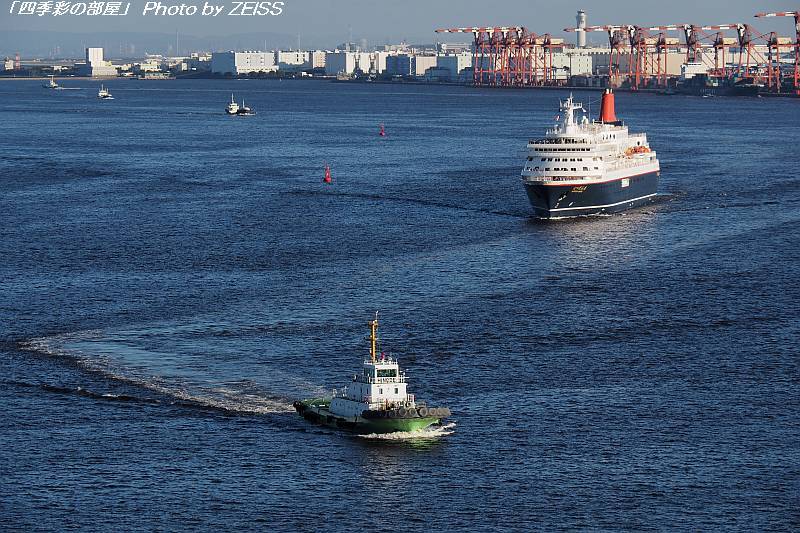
[388, 82]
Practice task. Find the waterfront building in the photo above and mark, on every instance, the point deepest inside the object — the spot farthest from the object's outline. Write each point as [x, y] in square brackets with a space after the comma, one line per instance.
[198, 62]
[439, 74]
[409, 64]
[95, 64]
[455, 63]
[342, 62]
[421, 63]
[292, 61]
[379, 59]
[237, 63]
[316, 59]
[453, 48]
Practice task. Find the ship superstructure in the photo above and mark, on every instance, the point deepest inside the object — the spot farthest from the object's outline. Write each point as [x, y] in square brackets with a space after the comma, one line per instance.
[375, 401]
[583, 167]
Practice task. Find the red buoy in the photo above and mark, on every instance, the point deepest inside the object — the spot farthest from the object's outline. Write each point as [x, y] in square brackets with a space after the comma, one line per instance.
[382, 132]
[607, 114]
[327, 178]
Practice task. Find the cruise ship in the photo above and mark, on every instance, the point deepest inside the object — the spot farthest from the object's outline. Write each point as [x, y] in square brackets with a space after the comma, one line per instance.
[589, 167]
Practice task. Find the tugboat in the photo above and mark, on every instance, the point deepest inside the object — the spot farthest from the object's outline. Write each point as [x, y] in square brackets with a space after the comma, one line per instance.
[104, 94]
[589, 167]
[375, 401]
[51, 84]
[233, 107]
[245, 111]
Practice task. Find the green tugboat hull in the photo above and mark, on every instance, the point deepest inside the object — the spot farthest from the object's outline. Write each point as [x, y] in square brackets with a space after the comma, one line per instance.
[316, 410]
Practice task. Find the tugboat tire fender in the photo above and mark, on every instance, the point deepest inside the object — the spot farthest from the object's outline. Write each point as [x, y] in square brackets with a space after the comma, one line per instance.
[402, 412]
[412, 413]
[423, 412]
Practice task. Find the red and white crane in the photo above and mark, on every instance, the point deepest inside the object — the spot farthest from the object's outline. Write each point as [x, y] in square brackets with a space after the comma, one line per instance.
[775, 46]
[510, 55]
[617, 37]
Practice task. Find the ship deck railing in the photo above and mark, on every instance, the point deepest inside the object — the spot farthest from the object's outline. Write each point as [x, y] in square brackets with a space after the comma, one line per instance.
[561, 178]
[372, 380]
[558, 140]
[386, 405]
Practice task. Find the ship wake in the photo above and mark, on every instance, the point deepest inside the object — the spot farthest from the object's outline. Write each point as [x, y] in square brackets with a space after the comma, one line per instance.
[238, 396]
[432, 432]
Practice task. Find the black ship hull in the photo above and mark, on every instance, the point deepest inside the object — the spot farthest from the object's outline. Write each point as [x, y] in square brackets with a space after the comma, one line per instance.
[562, 201]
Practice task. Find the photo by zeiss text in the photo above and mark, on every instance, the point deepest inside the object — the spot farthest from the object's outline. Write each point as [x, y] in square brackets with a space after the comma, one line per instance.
[249, 8]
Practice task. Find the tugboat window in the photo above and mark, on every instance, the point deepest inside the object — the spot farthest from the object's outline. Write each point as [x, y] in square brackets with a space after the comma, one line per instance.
[387, 373]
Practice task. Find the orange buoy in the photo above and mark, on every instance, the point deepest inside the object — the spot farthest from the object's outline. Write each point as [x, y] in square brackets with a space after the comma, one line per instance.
[382, 131]
[327, 178]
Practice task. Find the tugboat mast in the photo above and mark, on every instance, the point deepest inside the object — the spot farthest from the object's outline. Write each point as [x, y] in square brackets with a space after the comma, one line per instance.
[373, 336]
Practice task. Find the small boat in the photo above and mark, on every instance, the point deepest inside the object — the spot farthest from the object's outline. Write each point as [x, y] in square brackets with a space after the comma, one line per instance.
[244, 110]
[375, 401]
[51, 84]
[233, 107]
[382, 131]
[104, 93]
[238, 110]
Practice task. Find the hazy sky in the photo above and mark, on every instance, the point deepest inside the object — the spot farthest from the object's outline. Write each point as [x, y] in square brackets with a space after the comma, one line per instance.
[381, 21]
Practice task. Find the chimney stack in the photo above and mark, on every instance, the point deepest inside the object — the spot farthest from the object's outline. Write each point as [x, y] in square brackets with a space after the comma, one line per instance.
[580, 24]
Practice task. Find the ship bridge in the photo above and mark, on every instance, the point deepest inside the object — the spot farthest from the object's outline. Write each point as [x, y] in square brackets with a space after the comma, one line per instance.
[381, 384]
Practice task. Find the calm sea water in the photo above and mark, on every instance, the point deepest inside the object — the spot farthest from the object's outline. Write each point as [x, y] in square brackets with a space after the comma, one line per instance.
[173, 278]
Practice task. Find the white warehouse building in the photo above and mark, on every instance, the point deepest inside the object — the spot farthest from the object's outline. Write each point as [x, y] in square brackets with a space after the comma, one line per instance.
[347, 62]
[292, 60]
[96, 65]
[236, 63]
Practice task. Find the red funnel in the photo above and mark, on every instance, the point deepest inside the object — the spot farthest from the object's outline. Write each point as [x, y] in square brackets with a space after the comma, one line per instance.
[607, 107]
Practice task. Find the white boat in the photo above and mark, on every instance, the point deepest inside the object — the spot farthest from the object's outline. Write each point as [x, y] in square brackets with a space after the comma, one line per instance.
[233, 107]
[239, 110]
[104, 94]
[51, 84]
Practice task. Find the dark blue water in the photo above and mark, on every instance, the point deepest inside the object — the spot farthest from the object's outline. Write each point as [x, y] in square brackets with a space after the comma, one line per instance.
[173, 278]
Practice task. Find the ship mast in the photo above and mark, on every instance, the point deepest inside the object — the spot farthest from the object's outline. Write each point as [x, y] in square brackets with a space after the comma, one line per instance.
[373, 337]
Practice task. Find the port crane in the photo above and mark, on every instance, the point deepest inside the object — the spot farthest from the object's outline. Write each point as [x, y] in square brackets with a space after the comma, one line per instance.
[510, 56]
[617, 37]
[775, 45]
[646, 53]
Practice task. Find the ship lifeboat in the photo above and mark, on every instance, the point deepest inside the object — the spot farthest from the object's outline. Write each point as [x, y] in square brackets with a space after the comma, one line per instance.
[636, 150]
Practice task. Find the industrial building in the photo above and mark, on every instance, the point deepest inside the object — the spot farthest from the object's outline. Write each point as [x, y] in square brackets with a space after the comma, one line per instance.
[95, 65]
[316, 59]
[409, 64]
[238, 63]
[292, 61]
[455, 64]
[347, 63]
